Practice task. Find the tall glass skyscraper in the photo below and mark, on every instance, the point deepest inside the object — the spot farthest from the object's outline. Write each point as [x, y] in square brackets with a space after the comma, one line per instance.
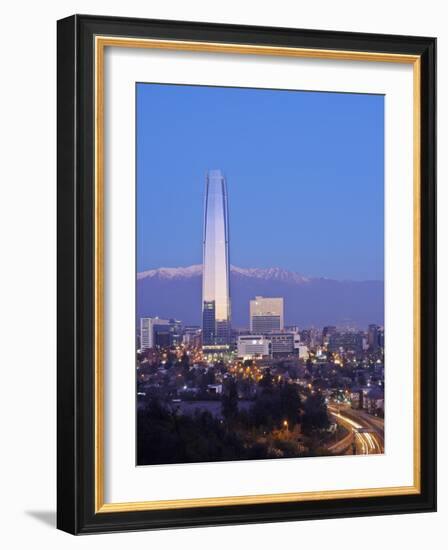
[216, 266]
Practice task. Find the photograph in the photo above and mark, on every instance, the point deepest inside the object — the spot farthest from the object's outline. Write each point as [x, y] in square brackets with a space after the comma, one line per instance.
[260, 259]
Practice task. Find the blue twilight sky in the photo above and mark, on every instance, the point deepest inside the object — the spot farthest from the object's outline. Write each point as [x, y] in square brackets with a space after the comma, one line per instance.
[305, 177]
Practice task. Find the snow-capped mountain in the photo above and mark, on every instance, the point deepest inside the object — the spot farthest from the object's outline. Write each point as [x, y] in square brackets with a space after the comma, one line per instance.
[175, 292]
[271, 273]
[171, 272]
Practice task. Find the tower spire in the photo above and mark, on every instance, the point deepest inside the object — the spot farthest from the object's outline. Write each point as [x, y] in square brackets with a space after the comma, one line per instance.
[216, 317]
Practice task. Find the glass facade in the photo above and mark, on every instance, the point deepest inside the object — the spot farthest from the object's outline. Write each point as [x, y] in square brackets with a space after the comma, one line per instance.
[265, 323]
[216, 266]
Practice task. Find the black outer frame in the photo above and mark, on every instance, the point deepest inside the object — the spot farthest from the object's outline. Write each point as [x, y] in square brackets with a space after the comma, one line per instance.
[75, 297]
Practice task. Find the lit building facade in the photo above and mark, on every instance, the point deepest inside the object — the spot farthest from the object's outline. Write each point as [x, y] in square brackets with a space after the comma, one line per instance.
[216, 314]
[159, 333]
[302, 352]
[345, 341]
[327, 333]
[192, 335]
[251, 346]
[150, 327]
[282, 343]
[266, 315]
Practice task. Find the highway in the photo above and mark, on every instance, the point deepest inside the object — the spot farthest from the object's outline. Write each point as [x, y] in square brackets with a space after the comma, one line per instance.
[365, 432]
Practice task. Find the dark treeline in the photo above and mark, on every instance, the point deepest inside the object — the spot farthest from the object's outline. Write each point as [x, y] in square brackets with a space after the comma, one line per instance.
[166, 437]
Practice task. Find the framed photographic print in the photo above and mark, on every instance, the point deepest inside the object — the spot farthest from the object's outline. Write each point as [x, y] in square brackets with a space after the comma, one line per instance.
[246, 274]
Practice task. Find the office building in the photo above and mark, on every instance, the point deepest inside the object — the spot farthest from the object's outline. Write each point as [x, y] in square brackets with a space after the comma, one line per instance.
[176, 331]
[345, 341]
[250, 346]
[152, 330]
[381, 337]
[326, 333]
[191, 335]
[373, 337]
[282, 343]
[266, 315]
[216, 315]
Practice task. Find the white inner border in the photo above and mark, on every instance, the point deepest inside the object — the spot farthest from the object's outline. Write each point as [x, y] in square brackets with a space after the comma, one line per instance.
[124, 482]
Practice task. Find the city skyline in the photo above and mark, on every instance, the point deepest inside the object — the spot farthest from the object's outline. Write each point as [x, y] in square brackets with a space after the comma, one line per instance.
[324, 201]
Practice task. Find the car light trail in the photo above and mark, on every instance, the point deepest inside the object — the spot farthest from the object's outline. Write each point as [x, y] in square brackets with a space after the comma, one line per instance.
[367, 442]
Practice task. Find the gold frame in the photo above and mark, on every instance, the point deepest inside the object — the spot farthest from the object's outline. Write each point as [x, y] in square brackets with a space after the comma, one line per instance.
[101, 42]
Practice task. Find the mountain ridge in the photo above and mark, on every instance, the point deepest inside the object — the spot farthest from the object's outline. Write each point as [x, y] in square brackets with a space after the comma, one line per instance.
[176, 293]
[270, 273]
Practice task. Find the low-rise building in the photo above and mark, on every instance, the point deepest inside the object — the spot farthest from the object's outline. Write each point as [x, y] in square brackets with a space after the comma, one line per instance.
[250, 346]
[374, 401]
[357, 398]
[282, 343]
[215, 388]
[302, 352]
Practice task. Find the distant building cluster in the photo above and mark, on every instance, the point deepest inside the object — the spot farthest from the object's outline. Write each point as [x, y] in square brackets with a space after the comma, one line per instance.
[266, 337]
[368, 399]
[158, 333]
[165, 333]
[345, 366]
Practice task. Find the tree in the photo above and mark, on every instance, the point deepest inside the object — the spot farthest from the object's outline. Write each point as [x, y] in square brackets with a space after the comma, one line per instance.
[290, 404]
[210, 376]
[320, 383]
[315, 417]
[185, 363]
[265, 411]
[170, 359]
[266, 381]
[362, 379]
[164, 436]
[229, 402]
[221, 367]
[309, 366]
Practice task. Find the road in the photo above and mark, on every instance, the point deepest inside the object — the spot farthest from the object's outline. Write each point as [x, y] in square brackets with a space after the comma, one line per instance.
[366, 432]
